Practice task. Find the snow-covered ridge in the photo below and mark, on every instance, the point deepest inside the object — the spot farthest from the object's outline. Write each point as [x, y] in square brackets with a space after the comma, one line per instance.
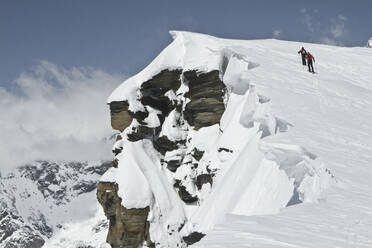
[173, 144]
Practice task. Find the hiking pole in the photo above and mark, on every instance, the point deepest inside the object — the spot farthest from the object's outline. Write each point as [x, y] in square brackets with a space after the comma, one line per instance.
[300, 60]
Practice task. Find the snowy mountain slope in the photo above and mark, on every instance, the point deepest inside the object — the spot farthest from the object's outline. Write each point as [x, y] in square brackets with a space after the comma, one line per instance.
[331, 114]
[215, 126]
[45, 201]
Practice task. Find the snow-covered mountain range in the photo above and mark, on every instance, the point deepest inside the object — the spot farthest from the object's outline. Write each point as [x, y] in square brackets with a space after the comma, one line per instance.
[42, 203]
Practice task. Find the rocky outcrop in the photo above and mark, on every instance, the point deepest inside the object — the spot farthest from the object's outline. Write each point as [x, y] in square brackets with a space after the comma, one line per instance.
[201, 106]
[183, 193]
[194, 237]
[154, 91]
[120, 117]
[206, 92]
[204, 179]
[128, 228]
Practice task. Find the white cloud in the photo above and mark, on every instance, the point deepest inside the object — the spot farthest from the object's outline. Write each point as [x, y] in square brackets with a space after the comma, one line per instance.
[58, 114]
[276, 34]
[336, 31]
[337, 28]
[328, 41]
[308, 20]
[331, 33]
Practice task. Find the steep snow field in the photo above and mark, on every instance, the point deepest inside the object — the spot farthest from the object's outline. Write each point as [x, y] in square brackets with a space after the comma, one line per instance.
[294, 136]
[331, 114]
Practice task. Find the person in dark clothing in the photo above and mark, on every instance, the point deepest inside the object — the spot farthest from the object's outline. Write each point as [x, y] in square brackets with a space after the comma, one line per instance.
[303, 55]
[310, 59]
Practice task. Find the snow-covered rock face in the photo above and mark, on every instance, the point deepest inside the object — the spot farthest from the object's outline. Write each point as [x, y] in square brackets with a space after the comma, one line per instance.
[369, 43]
[40, 199]
[195, 145]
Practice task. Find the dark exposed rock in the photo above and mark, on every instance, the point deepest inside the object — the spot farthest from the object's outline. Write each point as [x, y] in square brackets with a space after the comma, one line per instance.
[154, 89]
[127, 227]
[116, 151]
[84, 246]
[194, 237]
[206, 84]
[163, 145]
[139, 116]
[206, 91]
[120, 117]
[223, 149]
[203, 179]
[149, 242]
[162, 82]
[183, 193]
[115, 163]
[197, 154]
[118, 137]
[142, 132]
[173, 165]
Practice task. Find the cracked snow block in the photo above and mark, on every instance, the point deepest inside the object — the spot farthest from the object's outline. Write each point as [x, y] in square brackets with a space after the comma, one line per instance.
[295, 199]
[193, 237]
[206, 91]
[264, 128]
[282, 125]
[127, 227]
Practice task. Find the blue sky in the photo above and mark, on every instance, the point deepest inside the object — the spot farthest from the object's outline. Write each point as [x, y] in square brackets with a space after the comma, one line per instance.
[124, 36]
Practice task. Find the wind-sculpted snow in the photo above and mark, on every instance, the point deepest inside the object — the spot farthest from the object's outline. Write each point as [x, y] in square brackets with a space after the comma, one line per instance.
[327, 117]
[369, 43]
[213, 143]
